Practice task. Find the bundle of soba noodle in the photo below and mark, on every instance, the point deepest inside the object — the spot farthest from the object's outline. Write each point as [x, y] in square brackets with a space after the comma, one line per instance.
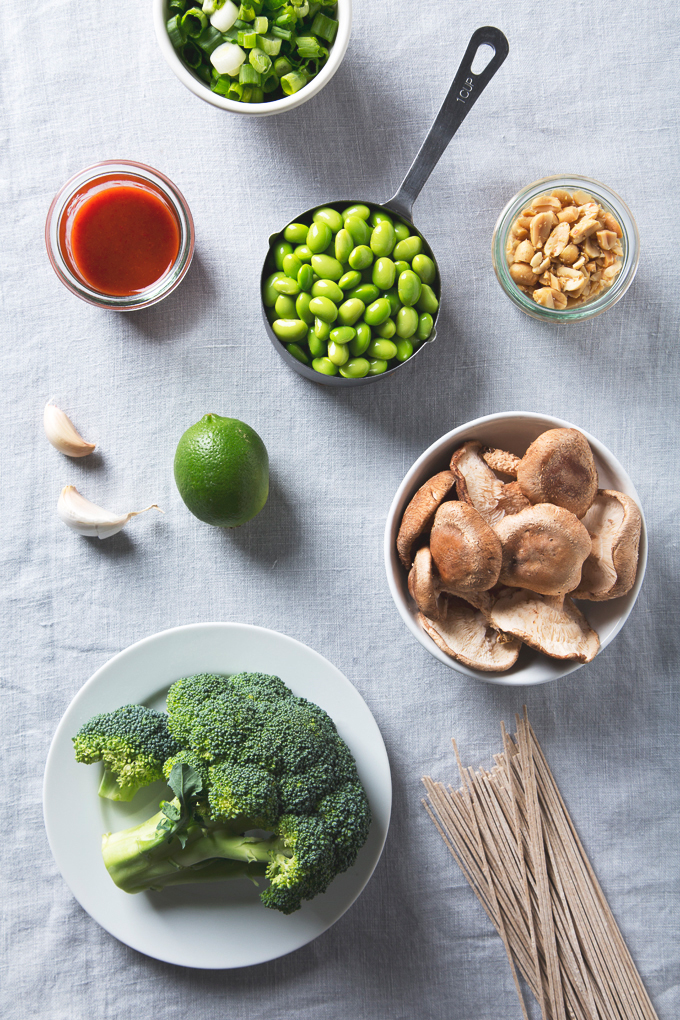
[511, 834]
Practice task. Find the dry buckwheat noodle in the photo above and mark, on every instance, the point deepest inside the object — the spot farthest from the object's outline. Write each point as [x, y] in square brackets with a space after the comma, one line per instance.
[511, 835]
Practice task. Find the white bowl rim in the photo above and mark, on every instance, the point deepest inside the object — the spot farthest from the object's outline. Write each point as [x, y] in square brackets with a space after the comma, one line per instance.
[560, 667]
[336, 54]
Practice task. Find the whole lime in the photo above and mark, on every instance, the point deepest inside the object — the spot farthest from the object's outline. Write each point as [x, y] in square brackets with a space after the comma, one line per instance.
[222, 471]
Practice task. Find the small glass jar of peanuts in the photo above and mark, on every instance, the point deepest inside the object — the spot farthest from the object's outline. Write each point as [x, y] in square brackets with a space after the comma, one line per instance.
[565, 248]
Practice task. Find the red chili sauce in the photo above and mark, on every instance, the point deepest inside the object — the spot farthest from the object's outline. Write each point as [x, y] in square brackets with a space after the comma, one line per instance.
[120, 234]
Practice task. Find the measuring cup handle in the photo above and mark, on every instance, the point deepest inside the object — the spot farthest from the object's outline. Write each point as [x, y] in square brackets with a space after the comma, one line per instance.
[464, 92]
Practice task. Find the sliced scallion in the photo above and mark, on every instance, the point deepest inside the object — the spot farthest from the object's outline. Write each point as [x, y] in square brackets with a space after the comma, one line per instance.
[270, 44]
[175, 31]
[191, 55]
[293, 82]
[210, 39]
[227, 58]
[261, 25]
[282, 33]
[224, 17]
[308, 47]
[235, 91]
[282, 66]
[260, 61]
[178, 5]
[270, 83]
[247, 75]
[209, 7]
[325, 28]
[194, 21]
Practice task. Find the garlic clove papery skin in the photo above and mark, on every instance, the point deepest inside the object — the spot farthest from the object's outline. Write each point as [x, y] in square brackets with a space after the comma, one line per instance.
[89, 519]
[62, 433]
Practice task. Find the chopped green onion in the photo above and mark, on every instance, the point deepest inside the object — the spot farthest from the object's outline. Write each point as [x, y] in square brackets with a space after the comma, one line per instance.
[178, 5]
[209, 39]
[313, 9]
[209, 7]
[274, 5]
[282, 66]
[225, 17]
[260, 61]
[235, 91]
[231, 35]
[293, 82]
[194, 21]
[246, 93]
[227, 58]
[249, 76]
[242, 25]
[247, 39]
[301, 10]
[257, 95]
[287, 19]
[175, 31]
[308, 46]
[270, 83]
[204, 72]
[270, 44]
[325, 28]
[221, 85]
[192, 56]
[261, 25]
[247, 11]
[282, 33]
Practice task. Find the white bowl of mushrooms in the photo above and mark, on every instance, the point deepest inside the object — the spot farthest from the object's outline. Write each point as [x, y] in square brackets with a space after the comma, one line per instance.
[515, 548]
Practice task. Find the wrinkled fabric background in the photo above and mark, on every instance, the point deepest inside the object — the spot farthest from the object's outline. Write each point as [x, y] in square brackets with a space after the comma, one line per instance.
[587, 88]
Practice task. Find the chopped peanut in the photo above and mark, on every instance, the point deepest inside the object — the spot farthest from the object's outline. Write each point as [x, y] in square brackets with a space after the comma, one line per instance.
[564, 249]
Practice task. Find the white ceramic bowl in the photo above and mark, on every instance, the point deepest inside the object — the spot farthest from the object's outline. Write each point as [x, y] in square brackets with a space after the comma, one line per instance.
[200, 89]
[513, 431]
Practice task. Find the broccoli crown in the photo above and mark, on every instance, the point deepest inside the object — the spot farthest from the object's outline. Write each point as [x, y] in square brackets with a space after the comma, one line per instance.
[252, 756]
[133, 742]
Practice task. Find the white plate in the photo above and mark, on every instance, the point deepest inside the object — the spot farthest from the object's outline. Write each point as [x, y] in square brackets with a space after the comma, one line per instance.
[216, 925]
[513, 431]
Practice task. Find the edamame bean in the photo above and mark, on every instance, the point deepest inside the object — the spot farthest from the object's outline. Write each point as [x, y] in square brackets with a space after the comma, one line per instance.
[331, 217]
[281, 249]
[350, 280]
[424, 267]
[377, 312]
[409, 287]
[305, 276]
[296, 233]
[360, 257]
[323, 308]
[322, 329]
[297, 353]
[386, 329]
[326, 267]
[407, 322]
[325, 366]
[384, 273]
[376, 366]
[317, 348]
[428, 300]
[319, 236]
[302, 303]
[425, 324]
[329, 289]
[385, 350]
[383, 238]
[291, 265]
[343, 245]
[359, 345]
[289, 330]
[379, 217]
[401, 267]
[407, 249]
[284, 285]
[402, 231]
[355, 368]
[303, 252]
[393, 298]
[337, 353]
[365, 292]
[404, 350]
[362, 211]
[269, 294]
[350, 310]
[285, 307]
[342, 334]
[359, 229]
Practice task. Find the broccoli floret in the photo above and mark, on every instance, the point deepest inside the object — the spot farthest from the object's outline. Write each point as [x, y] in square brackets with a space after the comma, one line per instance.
[253, 757]
[133, 742]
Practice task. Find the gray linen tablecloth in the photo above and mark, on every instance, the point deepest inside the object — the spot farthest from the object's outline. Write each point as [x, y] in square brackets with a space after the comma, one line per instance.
[587, 88]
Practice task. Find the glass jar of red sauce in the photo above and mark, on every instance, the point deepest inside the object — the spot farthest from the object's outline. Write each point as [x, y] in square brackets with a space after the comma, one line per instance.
[120, 235]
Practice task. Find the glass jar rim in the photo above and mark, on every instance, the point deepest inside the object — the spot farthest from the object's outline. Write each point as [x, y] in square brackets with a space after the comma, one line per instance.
[154, 292]
[578, 313]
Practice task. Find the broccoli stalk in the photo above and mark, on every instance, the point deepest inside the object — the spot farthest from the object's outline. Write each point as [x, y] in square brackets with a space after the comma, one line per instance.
[145, 858]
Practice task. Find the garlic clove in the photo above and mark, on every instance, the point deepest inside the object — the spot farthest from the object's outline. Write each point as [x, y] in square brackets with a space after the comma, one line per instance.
[88, 519]
[62, 433]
